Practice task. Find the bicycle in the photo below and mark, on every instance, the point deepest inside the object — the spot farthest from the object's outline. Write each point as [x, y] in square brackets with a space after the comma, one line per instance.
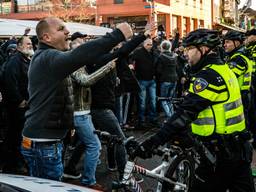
[175, 173]
[173, 100]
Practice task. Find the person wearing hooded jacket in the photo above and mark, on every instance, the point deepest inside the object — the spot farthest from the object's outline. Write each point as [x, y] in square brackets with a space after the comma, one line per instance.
[214, 110]
[166, 66]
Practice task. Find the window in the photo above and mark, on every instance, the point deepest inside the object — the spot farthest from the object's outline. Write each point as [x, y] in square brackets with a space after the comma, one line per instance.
[201, 24]
[194, 4]
[185, 26]
[174, 23]
[118, 1]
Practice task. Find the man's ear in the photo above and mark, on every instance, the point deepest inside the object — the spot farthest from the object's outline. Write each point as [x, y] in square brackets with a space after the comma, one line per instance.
[46, 37]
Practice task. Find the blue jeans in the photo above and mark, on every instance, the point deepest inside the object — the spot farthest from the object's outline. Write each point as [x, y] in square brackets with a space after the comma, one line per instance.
[44, 160]
[167, 89]
[84, 127]
[122, 107]
[148, 89]
[105, 120]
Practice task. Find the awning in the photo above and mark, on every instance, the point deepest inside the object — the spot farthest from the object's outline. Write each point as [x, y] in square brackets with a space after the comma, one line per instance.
[10, 27]
[225, 26]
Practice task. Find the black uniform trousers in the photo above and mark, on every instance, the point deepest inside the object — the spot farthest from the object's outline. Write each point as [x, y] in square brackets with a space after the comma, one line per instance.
[232, 173]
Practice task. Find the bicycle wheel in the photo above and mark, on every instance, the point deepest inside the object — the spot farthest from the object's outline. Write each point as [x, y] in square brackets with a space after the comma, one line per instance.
[181, 170]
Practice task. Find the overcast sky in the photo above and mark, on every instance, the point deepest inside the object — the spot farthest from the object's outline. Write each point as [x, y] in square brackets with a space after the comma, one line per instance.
[253, 6]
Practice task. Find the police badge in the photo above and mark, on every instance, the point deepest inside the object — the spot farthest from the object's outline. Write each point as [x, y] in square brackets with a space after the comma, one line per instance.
[199, 85]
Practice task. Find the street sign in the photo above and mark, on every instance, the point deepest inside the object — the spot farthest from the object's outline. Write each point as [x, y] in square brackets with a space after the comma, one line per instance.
[149, 7]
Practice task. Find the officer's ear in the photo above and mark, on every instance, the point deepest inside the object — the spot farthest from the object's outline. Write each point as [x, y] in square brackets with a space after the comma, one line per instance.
[237, 43]
[204, 49]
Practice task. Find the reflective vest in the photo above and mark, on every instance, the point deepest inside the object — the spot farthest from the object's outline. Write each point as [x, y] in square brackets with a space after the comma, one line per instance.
[252, 56]
[244, 79]
[224, 117]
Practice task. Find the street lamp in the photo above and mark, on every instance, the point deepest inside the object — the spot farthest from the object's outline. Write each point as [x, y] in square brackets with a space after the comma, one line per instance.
[153, 15]
[150, 6]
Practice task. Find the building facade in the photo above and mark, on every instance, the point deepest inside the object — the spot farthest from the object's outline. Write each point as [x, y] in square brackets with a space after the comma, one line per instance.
[183, 15]
[68, 10]
[226, 15]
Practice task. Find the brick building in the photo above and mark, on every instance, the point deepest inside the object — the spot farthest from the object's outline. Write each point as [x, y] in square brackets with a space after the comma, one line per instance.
[68, 10]
[185, 15]
[226, 15]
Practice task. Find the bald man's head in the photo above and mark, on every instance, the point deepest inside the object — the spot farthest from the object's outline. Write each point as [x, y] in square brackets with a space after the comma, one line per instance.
[44, 25]
[148, 44]
[53, 32]
[41, 28]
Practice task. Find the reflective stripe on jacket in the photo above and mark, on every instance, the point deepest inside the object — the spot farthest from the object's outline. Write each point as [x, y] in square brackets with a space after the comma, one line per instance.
[224, 117]
[251, 50]
[244, 77]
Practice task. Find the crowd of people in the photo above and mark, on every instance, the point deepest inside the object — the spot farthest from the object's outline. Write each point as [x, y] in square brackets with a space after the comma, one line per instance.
[57, 85]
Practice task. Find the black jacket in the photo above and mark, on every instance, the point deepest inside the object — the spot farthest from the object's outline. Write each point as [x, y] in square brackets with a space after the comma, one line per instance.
[166, 67]
[192, 105]
[128, 80]
[50, 113]
[145, 67]
[16, 80]
[103, 92]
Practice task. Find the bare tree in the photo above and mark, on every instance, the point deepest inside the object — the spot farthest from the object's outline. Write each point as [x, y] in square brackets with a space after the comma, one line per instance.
[71, 10]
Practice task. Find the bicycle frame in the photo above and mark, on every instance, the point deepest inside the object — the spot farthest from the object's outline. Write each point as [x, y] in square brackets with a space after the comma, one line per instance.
[170, 156]
[157, 173]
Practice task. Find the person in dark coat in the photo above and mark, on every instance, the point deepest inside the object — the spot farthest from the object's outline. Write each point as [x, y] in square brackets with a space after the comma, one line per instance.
[50, 113]
[103, 102]
[167, 75]
[15, 96]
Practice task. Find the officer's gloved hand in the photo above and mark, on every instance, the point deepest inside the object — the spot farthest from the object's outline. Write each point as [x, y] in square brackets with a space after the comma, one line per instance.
[145, 149]
[131, 146]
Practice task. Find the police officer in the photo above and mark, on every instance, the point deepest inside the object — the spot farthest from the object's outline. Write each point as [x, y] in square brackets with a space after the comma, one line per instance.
[214, 109]
[250, 48]
[240, 64]
[250, 43]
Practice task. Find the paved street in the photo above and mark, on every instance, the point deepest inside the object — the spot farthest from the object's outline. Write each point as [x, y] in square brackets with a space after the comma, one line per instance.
[104, 176]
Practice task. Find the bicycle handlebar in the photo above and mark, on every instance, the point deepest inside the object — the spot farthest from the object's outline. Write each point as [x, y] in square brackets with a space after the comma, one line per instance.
[161, 152]
[113, 138]
[199, 146]
[104, 135]
[171, 99]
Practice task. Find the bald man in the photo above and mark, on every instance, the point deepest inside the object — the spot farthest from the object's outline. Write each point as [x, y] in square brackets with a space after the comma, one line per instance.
[144, 60]
[50, 113]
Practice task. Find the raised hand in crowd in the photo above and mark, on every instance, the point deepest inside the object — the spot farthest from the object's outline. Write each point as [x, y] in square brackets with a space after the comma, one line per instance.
[126, 29]
[150, 29]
